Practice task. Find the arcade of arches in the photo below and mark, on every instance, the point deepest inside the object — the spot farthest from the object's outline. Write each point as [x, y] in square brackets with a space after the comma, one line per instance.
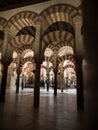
[41, 48]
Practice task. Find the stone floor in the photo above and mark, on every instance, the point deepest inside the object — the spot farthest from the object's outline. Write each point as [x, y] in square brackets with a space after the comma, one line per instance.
[54, 113]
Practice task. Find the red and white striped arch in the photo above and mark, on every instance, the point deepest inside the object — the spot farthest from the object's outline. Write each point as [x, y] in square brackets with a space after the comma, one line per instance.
[21, 20]
[56, 36]
[61, 12]
[21, 40]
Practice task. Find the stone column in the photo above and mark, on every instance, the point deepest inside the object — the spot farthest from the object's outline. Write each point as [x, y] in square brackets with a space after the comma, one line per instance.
[79, 74]
[37, 56]
[5, 63]
[18, 73]
[90, 33]
[37, 85]
[1, 67]
[48, 75]
[79, 52]
[62, 77]
[55, 72]
[3, 83]
[5, 42]
[78, 41]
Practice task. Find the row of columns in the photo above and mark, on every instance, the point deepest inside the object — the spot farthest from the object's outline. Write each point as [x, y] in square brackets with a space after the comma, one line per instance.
[37, 52]
[5, 66]
[80, 99]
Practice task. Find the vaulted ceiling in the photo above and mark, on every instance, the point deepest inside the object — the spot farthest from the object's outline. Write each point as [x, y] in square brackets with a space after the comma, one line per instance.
[10, 4]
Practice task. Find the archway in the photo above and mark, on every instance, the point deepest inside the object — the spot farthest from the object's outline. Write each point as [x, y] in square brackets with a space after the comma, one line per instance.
[66, 72]
[69, 74]
[27, 76]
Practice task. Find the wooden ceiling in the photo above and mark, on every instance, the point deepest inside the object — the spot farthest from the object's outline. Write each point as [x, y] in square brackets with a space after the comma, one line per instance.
[11, 4]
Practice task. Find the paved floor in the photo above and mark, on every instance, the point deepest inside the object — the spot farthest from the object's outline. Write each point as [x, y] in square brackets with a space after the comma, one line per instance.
[54, 113]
